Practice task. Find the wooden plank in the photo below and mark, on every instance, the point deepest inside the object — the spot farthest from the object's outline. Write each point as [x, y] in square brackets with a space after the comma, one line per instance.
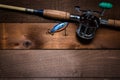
[1, 36]
[17, 34]
[59, 78]
[60, 63]
[67, 5]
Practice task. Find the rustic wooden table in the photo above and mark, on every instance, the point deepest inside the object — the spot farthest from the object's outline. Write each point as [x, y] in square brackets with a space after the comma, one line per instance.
[17, 28]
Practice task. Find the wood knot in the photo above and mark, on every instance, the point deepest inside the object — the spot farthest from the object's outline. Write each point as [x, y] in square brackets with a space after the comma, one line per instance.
[27, 43]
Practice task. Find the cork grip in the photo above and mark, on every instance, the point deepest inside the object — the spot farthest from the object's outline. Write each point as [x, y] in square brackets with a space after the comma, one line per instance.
[56, 14]
[114, 22]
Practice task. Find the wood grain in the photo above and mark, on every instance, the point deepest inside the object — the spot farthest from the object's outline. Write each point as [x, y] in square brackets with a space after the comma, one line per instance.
[16, 34]
[60, 63]
[17, 28]
[59, 78]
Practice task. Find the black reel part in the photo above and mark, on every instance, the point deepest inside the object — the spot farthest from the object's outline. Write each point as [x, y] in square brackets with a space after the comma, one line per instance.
[77, 8]
[88, 26]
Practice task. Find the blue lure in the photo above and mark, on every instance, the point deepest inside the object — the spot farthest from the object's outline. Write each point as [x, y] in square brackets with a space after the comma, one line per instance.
[59, 27]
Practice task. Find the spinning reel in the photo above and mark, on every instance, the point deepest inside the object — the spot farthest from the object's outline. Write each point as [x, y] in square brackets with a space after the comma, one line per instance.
[88, 24]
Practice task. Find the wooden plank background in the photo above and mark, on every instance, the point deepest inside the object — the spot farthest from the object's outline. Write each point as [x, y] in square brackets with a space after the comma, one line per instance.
[60, 63]
[59, 79]
[15, 28]
[15, 36]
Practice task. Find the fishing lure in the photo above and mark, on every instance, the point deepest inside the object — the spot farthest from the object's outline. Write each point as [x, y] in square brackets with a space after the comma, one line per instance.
[59, 27]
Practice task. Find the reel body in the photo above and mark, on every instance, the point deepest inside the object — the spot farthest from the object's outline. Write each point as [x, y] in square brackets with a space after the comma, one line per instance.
[88, 25]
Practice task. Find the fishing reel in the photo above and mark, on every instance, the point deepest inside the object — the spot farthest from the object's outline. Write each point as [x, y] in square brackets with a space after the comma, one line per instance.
[88, 22]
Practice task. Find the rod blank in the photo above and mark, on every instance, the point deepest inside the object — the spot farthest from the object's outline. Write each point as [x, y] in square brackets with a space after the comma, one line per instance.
[12, 7]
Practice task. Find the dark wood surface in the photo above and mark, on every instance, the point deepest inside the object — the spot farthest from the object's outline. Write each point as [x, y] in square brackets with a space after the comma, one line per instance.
[59, 79]
[15, 28]
[15, 35]
[60, 63]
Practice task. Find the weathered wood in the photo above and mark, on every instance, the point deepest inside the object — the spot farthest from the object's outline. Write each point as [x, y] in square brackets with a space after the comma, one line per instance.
[60, 63]
[100, 64]
[1, 35]
[59, 79]
[16, 34]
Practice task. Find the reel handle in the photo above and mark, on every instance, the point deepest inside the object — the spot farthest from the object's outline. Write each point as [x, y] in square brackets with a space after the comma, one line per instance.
[115, 23]
[105, 5]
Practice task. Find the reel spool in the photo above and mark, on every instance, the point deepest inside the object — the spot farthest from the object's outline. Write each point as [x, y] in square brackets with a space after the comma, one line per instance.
[89, 23]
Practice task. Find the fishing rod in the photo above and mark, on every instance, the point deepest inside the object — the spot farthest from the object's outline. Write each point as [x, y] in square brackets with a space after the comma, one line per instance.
[87, 20]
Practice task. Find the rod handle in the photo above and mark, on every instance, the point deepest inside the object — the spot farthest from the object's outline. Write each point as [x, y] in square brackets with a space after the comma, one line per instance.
[56, 14]
[112, 22]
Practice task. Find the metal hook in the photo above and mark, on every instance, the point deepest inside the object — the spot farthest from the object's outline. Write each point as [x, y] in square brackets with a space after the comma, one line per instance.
[77, 8]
